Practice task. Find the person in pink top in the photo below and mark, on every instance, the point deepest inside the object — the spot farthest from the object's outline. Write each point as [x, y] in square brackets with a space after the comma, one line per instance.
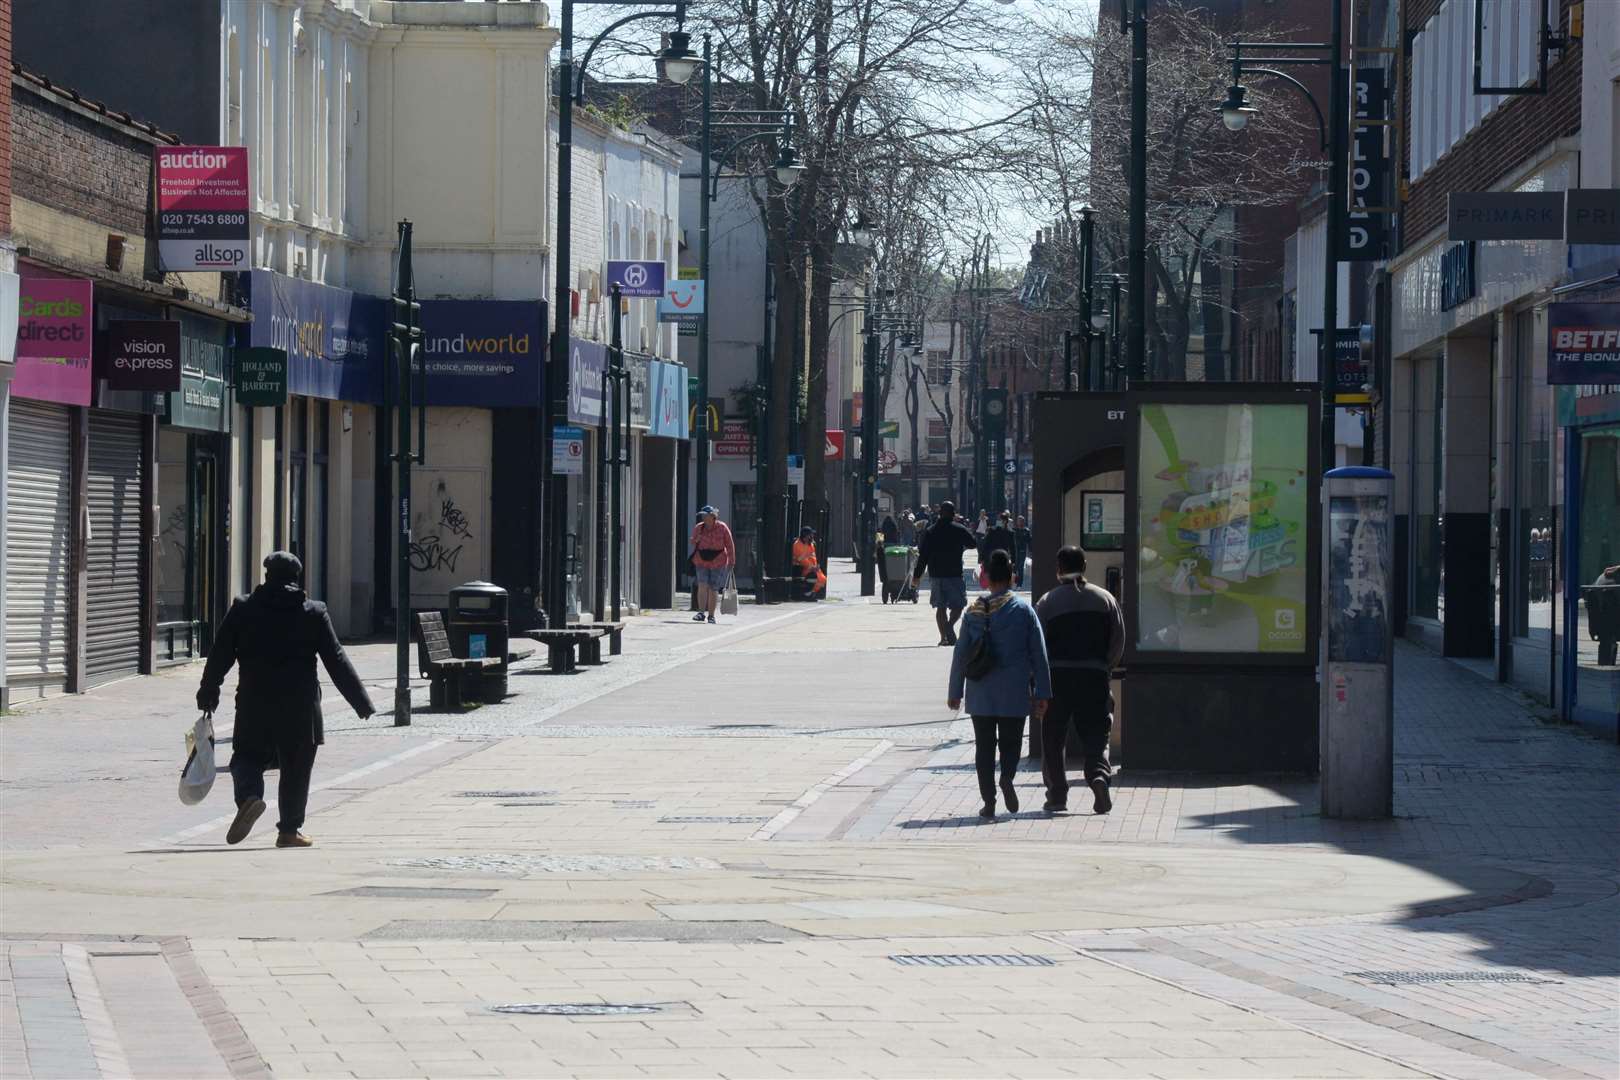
[713, 556]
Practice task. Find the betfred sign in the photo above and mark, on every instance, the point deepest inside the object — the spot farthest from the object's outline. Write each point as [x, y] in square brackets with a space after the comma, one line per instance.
[835, 446]
[142, 354]
[1583, 344]
[202, 195]
[53, 340]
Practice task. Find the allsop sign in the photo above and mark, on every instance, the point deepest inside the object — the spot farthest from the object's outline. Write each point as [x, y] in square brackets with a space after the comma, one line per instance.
[142, 354]
[1506, 215]
[261, 377]
[1583, 344]
[202, 197]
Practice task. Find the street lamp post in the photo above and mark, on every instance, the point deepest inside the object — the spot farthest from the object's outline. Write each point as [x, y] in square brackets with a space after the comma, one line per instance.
[1235, 113]
[1136, 255]
[678, 65]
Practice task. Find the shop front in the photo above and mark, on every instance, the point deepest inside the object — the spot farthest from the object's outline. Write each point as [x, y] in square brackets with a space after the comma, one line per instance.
[310, 462]
[191, 576]
[1583, 346]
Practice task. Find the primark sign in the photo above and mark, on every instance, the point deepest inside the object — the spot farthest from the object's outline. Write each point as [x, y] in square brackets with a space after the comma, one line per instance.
[1580, 215]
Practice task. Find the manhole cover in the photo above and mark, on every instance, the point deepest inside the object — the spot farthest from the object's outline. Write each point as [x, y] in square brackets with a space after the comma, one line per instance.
[557, 864]
[569, 1009]
[700, 819]
[502, 794]
[972, 960]
[1396, 978]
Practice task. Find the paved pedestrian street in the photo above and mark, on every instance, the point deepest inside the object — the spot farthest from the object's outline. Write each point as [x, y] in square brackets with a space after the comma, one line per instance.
[753, 850]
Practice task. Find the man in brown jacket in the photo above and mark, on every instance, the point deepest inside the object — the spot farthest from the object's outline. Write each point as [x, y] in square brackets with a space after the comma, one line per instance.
[1085, 639]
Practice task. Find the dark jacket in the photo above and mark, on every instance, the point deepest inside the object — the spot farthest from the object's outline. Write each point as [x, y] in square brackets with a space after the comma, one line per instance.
[940, 550]
[1083, 625]
[275, 636]
[999, 538]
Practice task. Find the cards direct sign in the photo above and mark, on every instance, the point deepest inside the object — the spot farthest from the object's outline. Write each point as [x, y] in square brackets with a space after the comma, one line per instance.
[1583, 344]
[54, 340]
[637, 279]
[483, 352]
[261, 377]
[142, 354]
[202, 207]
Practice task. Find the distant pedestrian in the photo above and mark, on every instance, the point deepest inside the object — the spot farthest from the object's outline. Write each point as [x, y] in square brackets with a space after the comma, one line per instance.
[714, 554]
[940, 554]
[998, 538]
[274, 636]
[1021, 539]
[983, 525]
[908, 529]
[890, 529]
[1018, 684]
[807, 564]
[1085, 638]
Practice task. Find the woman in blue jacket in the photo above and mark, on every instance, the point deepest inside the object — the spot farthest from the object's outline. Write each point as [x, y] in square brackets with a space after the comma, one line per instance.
[1018, 684]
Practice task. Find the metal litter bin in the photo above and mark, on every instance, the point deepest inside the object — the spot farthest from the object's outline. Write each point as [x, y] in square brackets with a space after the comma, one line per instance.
[478, 627]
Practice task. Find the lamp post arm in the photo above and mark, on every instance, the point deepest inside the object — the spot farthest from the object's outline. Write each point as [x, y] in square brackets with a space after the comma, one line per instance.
[1321, 121]
[677, 14]
[720, 158]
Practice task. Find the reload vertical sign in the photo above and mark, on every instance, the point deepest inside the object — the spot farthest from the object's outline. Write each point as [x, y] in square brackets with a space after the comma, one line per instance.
[202, 207]
[1366, 222]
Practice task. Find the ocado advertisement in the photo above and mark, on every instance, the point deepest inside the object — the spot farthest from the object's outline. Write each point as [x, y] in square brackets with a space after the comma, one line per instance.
[1222, 501]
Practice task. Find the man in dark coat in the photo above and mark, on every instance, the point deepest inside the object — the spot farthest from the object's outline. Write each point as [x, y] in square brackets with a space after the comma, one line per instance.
[275, 635]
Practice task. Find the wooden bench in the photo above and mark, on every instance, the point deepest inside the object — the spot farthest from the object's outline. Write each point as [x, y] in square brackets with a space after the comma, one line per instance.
[447, 674]
[560, 645]
[615, 635]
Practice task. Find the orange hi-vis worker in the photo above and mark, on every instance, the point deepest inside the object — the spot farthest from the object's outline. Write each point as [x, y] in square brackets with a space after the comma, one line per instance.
[805, 561]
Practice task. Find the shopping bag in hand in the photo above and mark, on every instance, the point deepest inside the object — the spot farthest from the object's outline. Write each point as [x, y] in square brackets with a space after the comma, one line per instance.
[728, 598]
[197, 776]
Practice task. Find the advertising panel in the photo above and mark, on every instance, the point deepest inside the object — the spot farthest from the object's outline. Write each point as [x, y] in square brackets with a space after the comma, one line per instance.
[667, 393]
[54, 340]
[1352, 373]
[567, 451]
[587, 380]
[1102, 520]
[200, 401]
[1222, 508]
[1583, 344]
[141, 354]
[484, 352]
[202, 195]
[1358, 551]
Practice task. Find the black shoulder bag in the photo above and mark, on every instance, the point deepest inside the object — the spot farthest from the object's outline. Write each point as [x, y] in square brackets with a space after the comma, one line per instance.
[981, 661]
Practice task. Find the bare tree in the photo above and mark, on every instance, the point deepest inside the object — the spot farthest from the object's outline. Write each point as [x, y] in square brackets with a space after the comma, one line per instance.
[1073, 146]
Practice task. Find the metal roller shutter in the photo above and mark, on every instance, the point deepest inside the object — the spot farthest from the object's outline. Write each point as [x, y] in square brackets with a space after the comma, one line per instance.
[39, 518]
[112, 647]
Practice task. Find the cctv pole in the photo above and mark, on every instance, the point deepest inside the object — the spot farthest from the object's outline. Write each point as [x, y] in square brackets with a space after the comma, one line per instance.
[407, 334]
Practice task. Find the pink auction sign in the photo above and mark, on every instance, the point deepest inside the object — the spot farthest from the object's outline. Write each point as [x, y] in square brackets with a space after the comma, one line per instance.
[54, 341]
[202, 197]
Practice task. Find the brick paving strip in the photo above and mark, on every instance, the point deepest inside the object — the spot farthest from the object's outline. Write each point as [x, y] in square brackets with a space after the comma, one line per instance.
[221, 1024]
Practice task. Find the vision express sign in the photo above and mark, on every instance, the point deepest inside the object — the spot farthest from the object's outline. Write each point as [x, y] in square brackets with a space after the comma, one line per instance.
[141, 354]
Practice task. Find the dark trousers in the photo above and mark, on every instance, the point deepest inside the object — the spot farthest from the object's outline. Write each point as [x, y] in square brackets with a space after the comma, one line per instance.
[990, 732]
[297, 761]
[1085, 700]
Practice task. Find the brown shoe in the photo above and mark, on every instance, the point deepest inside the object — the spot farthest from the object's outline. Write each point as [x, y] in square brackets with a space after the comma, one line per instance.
[246, 815]
[294, 839]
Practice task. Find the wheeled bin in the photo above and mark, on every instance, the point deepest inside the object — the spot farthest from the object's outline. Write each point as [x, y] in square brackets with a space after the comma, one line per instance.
[897, 563]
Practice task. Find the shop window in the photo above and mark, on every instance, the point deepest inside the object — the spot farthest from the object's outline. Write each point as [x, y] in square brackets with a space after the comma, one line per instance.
[1428, 538]
[1536, 547]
